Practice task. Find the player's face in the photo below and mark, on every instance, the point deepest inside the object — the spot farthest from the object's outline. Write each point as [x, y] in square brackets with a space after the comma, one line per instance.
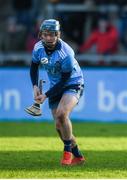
[49, 38]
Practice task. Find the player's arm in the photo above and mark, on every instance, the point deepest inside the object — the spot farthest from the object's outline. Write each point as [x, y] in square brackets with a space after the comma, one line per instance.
[58, 88]
[34, 73]
[34, 67]
[34, 109]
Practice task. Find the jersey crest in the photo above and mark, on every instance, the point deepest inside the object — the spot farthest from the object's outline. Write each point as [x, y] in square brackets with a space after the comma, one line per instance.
[44, 60]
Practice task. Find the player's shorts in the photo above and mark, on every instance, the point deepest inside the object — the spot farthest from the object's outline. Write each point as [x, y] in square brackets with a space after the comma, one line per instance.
[76, 90]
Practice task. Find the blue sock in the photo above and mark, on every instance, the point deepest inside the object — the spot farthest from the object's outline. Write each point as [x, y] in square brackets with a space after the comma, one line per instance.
[67, 145]
[76, 152]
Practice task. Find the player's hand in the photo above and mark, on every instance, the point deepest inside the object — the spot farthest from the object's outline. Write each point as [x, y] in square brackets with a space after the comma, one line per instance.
[41, 98]
[36, 93]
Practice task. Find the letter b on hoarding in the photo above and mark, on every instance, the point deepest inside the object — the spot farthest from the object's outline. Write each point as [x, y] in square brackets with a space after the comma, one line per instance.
[107, 100]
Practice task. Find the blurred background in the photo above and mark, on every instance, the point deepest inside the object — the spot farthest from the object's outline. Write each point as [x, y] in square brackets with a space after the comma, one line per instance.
[95, 29]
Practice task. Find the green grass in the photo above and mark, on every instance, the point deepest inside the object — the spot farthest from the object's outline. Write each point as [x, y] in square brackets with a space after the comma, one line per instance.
[33, 150]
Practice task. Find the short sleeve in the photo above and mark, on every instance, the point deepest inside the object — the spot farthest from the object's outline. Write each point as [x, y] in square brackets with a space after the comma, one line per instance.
[35, 56]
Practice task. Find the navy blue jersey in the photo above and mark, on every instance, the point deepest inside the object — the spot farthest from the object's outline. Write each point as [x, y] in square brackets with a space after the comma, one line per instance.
[61, 60]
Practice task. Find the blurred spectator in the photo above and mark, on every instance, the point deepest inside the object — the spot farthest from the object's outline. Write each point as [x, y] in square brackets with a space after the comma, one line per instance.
[14, 36]
[23, 11]
[71, 28]
[32, 36]
[123, 32]
[105, 38]
[30, 41]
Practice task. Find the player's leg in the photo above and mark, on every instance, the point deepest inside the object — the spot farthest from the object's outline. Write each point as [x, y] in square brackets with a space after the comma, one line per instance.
[57, 125]
[67, 155]
[67, 103]
[78, 157]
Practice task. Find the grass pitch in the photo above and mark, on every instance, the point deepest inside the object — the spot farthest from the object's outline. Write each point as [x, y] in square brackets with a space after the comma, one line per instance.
[33, 150]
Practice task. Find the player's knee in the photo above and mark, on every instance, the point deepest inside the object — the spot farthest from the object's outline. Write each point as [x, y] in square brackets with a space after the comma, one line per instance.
[61, 116]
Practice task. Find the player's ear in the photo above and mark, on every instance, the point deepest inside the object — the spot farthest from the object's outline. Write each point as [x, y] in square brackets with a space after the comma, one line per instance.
[59, 33]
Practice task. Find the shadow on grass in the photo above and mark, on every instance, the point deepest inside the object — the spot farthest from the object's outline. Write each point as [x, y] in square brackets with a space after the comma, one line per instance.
[34, 129]
[49, 161]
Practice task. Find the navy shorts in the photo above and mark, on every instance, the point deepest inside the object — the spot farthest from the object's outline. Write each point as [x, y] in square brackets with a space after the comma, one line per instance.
[76, 90]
